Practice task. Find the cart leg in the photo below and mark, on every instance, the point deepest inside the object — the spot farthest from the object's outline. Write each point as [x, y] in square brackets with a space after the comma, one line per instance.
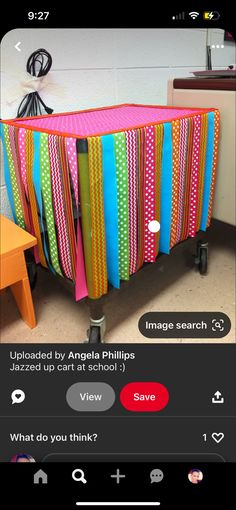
[97, 328]
[201, 259]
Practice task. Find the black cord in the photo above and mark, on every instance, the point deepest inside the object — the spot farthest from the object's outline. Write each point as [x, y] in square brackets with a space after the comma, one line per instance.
[38, 64]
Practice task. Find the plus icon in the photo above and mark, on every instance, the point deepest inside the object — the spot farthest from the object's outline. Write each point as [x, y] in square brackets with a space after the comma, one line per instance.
[118, 476]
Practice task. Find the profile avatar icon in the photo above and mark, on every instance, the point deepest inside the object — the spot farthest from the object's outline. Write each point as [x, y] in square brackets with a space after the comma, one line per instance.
[22, 457]
[195, 476]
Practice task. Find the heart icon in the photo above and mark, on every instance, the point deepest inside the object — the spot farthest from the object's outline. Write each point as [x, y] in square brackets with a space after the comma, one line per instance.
[217, 436]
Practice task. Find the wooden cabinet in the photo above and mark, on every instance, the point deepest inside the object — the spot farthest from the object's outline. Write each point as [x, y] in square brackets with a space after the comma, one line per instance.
[218, 93]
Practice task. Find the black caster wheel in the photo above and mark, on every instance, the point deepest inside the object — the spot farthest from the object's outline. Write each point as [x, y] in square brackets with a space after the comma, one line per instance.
[32, 274]
[94, 335]
[203, 261]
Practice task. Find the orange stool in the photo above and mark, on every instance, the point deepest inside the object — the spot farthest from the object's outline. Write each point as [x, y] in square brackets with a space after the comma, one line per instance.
[13, 272]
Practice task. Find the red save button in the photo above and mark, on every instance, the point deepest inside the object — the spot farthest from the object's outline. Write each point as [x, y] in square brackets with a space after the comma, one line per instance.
[144, 396]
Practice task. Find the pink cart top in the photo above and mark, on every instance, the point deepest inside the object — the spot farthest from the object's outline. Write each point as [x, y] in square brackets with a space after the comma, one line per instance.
[106, 120]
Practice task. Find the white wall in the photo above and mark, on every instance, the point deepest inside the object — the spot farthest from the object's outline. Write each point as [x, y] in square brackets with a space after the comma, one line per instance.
[99, 67]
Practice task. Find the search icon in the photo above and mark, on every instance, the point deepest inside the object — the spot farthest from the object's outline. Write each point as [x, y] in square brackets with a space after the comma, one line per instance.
[79, 476]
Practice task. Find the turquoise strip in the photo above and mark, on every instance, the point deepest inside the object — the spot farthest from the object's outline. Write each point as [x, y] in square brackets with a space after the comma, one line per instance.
[110, 209]
[208, 170]
[37, 189]
[166, 190]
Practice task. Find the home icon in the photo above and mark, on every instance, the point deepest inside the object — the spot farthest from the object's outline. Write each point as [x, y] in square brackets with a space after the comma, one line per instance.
[40, 477]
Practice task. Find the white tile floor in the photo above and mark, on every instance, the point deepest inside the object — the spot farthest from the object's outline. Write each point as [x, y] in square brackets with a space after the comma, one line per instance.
[172, 284]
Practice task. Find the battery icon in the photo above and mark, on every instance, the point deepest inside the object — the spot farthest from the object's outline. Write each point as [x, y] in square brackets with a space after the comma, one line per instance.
[211, 15]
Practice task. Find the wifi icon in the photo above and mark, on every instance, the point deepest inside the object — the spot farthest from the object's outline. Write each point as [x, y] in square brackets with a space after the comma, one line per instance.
[194, 14]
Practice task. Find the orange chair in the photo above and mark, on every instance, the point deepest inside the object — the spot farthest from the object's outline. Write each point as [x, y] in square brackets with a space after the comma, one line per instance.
[13, 271]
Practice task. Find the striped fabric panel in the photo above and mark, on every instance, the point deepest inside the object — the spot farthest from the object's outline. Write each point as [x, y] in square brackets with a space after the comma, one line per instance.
[65, 176]
[159, 132]
[202, 159]
[99, 267]
[9, 141]
[47, 201]
[59, 207]
[123, 204]
[194, 176]
[187, 181]
[215, 161]
[149, 195]
[132, 162]
[141, 163]
[175, 180]
[183, 147]
[32, 197]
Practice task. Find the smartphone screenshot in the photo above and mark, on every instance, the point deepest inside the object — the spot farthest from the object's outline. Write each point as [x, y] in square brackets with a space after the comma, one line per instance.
[117, 259]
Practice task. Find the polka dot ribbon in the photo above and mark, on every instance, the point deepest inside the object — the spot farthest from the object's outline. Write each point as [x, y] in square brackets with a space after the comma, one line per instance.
[132, 162]
[149, 196]
[8, 133]
[99, 268]
[47, 200]
[59, 207]
[73, 165]
[215, 160]
[194, 176]
[123, 212]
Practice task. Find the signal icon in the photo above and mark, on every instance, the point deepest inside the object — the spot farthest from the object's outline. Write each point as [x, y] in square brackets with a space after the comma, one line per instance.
[193, 14]
[179, 16]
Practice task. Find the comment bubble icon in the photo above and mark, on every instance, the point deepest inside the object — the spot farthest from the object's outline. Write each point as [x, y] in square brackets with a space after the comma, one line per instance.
[18, 396]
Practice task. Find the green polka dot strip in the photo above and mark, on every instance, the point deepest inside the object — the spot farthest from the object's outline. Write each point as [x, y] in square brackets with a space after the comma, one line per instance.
[16, 195]
[45, 178]
[122, 197]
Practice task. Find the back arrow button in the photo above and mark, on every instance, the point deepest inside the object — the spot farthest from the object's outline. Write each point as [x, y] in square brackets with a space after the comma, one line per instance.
[17, 46]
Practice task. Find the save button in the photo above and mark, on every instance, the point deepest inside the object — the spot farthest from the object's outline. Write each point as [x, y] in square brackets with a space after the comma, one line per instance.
[144, 396]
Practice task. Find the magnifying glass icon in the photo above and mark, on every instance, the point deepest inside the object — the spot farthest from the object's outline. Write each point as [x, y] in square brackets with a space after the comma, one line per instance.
[79, 476]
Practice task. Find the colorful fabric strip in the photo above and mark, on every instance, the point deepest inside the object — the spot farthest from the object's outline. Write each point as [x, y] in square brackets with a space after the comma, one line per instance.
[7, 174]
[166, 190]
[86, 220]
[195, 176]
[182, 169]
[175, 179]
[21, 142]
[9, 133]
[141, 166]
[38, 192]
[30, 156]
[65, 174]
[110, 209]
[208, 170]
[47, 201]
[73, 165]
[132, 162]
[158, 162]
[187, 180]
[202, 159]
[215, 160]
[149, 196]
[59, 208]
[122, 194]
[97, 217]
[81, 289]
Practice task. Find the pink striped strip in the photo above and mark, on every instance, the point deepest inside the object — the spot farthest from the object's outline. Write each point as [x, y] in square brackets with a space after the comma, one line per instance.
[132, 160]
[22, 156]
[59, 210]
[183, 147]
[195, 176]
[73, 165]
[149, 195]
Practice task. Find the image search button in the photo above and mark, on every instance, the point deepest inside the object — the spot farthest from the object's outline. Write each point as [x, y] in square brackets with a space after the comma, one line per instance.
[90, 396]
[144, 396]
